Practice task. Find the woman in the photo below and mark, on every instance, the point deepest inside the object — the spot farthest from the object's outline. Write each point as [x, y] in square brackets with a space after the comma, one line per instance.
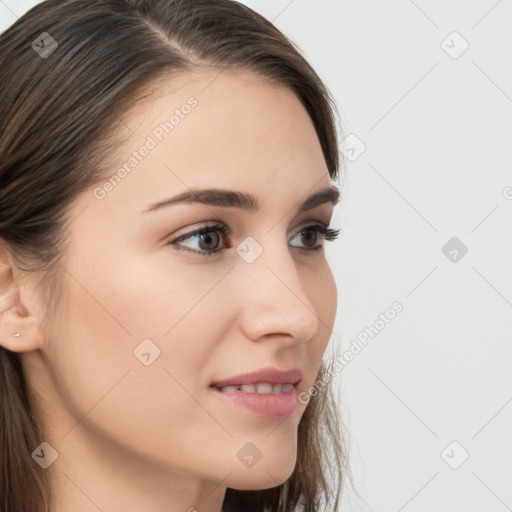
[166, 189]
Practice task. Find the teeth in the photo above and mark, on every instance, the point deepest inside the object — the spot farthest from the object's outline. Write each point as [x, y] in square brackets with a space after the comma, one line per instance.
[231, 388]
[265, 388]
[277, 388]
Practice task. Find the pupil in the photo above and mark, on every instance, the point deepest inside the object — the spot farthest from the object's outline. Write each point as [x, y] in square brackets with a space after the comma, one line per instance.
[207, 237]
[312, 237]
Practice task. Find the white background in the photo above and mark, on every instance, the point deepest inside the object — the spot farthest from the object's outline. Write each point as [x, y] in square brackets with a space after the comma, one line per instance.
[437, 163]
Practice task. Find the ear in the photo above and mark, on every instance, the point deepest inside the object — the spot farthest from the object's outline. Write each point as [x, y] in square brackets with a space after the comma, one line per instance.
[16, 316]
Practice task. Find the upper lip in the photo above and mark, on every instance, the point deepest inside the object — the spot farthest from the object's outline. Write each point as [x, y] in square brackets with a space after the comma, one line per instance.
[269, 374]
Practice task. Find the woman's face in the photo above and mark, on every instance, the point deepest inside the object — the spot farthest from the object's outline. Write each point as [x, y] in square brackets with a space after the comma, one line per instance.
[145, 329]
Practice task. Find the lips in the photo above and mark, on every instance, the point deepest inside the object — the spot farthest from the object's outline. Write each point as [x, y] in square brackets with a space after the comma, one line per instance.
[268, 375]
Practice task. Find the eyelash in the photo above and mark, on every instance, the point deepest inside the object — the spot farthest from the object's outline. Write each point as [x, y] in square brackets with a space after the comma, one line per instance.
[329, 234]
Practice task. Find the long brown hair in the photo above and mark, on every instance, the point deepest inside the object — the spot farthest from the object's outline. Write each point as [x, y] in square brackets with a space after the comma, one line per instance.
[69, 69]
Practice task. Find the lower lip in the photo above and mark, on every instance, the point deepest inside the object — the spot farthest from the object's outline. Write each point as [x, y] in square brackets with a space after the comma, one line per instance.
[268, 405]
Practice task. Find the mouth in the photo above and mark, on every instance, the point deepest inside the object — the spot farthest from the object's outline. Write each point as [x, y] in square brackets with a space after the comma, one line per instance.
[267, 405]
[262, 388]
[264, 380]
[267, 393]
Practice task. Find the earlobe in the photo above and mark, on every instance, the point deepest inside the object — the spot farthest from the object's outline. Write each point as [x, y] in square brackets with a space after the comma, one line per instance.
[19, 329]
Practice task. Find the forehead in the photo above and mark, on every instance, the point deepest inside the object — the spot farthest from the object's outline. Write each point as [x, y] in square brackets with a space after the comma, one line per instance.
[222, 128]
[209, 108]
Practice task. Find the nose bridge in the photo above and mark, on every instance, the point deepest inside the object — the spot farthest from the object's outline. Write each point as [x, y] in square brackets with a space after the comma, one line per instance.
[275, 301]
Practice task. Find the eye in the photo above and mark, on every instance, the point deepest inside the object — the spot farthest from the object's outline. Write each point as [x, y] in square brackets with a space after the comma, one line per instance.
[311, 235]
[208, 237]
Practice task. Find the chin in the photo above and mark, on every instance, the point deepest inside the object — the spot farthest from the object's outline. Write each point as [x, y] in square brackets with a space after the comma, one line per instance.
[262, 476]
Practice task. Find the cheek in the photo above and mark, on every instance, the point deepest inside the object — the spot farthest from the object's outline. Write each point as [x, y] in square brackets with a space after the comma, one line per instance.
[114, 323]
[129, 310]
[320, 287]
[329, 299]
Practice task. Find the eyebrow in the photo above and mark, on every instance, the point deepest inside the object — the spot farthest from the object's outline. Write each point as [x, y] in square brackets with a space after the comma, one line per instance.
[242, 200]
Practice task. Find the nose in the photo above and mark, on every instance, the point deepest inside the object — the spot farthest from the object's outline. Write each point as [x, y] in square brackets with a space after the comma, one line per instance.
[273, 300]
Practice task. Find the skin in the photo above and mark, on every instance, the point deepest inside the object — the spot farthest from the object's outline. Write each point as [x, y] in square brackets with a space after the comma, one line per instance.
[132, 437]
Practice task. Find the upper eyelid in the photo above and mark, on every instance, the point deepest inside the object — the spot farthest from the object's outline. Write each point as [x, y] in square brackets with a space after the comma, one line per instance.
[226, 231]
[216, 225]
